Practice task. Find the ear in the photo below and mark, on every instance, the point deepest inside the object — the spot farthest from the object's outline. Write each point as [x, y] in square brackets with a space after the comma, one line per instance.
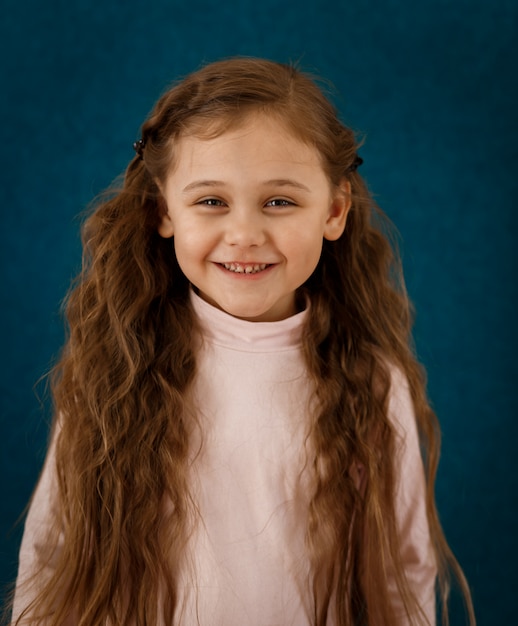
[338, 211]
[165, 224]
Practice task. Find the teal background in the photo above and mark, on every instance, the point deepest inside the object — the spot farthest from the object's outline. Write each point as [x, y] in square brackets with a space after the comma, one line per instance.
[431, 85]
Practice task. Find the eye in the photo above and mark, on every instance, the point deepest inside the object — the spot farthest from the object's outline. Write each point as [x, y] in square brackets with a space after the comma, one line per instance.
[211, 202]
[279, 202]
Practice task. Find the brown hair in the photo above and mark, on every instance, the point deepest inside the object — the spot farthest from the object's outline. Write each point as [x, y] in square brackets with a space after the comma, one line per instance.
[120, 456]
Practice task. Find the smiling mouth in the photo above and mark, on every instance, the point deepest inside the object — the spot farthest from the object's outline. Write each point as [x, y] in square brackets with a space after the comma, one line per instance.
[242, 268]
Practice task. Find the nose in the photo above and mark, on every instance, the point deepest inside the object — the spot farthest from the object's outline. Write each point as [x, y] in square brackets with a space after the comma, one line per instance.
[245, 229]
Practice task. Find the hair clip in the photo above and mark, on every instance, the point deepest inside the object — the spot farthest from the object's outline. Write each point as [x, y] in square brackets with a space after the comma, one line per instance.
[355, 164]
[139, 146]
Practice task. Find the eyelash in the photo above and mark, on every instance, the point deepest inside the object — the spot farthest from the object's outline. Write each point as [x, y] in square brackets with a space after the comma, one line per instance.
[282, 202]
[215, 202]
[212, 202]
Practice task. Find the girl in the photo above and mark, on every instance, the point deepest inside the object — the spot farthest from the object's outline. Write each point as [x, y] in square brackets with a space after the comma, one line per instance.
[239, 414]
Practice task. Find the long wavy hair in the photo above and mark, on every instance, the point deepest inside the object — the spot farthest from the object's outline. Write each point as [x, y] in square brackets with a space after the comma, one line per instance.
[122, 419]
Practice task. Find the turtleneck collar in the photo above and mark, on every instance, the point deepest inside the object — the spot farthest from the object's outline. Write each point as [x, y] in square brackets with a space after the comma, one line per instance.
[225, 330]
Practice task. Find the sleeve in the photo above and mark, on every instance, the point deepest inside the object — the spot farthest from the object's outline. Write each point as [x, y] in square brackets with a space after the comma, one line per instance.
[416, 548]
[41, 524]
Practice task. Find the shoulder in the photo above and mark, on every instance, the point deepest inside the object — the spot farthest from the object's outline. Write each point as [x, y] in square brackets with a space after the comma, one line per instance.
[401, 411]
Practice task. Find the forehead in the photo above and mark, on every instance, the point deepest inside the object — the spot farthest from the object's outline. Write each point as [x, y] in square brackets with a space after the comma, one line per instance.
[257, 140]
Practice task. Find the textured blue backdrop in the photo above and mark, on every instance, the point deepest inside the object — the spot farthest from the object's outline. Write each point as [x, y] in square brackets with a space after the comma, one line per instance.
[430, 84]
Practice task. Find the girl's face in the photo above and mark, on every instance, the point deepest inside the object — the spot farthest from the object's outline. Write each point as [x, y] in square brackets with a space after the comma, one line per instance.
[249, 210]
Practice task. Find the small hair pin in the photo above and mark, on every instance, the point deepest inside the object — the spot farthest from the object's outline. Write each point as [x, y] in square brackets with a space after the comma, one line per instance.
[355, 164]
[139, 146]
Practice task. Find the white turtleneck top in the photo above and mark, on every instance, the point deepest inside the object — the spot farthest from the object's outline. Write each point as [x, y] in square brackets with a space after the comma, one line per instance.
[246, 563]
[249, 563]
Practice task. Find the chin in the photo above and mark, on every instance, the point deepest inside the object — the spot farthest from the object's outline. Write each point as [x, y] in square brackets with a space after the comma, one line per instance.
[247, 315]
[260, 315]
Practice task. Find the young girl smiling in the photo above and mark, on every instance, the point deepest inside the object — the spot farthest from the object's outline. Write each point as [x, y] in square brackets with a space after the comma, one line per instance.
[239, 414]
[249, 211]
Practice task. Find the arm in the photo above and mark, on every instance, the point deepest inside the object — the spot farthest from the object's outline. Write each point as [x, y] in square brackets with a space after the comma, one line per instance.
[416, 549]
[38, 551]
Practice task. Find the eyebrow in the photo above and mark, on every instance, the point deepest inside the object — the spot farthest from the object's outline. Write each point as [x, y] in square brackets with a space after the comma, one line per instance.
[198, 184]
[277, 182]
[286, 182]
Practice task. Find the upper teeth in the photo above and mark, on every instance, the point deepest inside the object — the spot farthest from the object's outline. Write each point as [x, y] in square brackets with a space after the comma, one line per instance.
[245, 269]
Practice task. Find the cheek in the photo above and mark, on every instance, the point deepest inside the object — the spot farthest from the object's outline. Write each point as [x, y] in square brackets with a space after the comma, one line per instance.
[185, 257]
[306, 249]
[190, 243]
[182, 248]
[315, 254]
